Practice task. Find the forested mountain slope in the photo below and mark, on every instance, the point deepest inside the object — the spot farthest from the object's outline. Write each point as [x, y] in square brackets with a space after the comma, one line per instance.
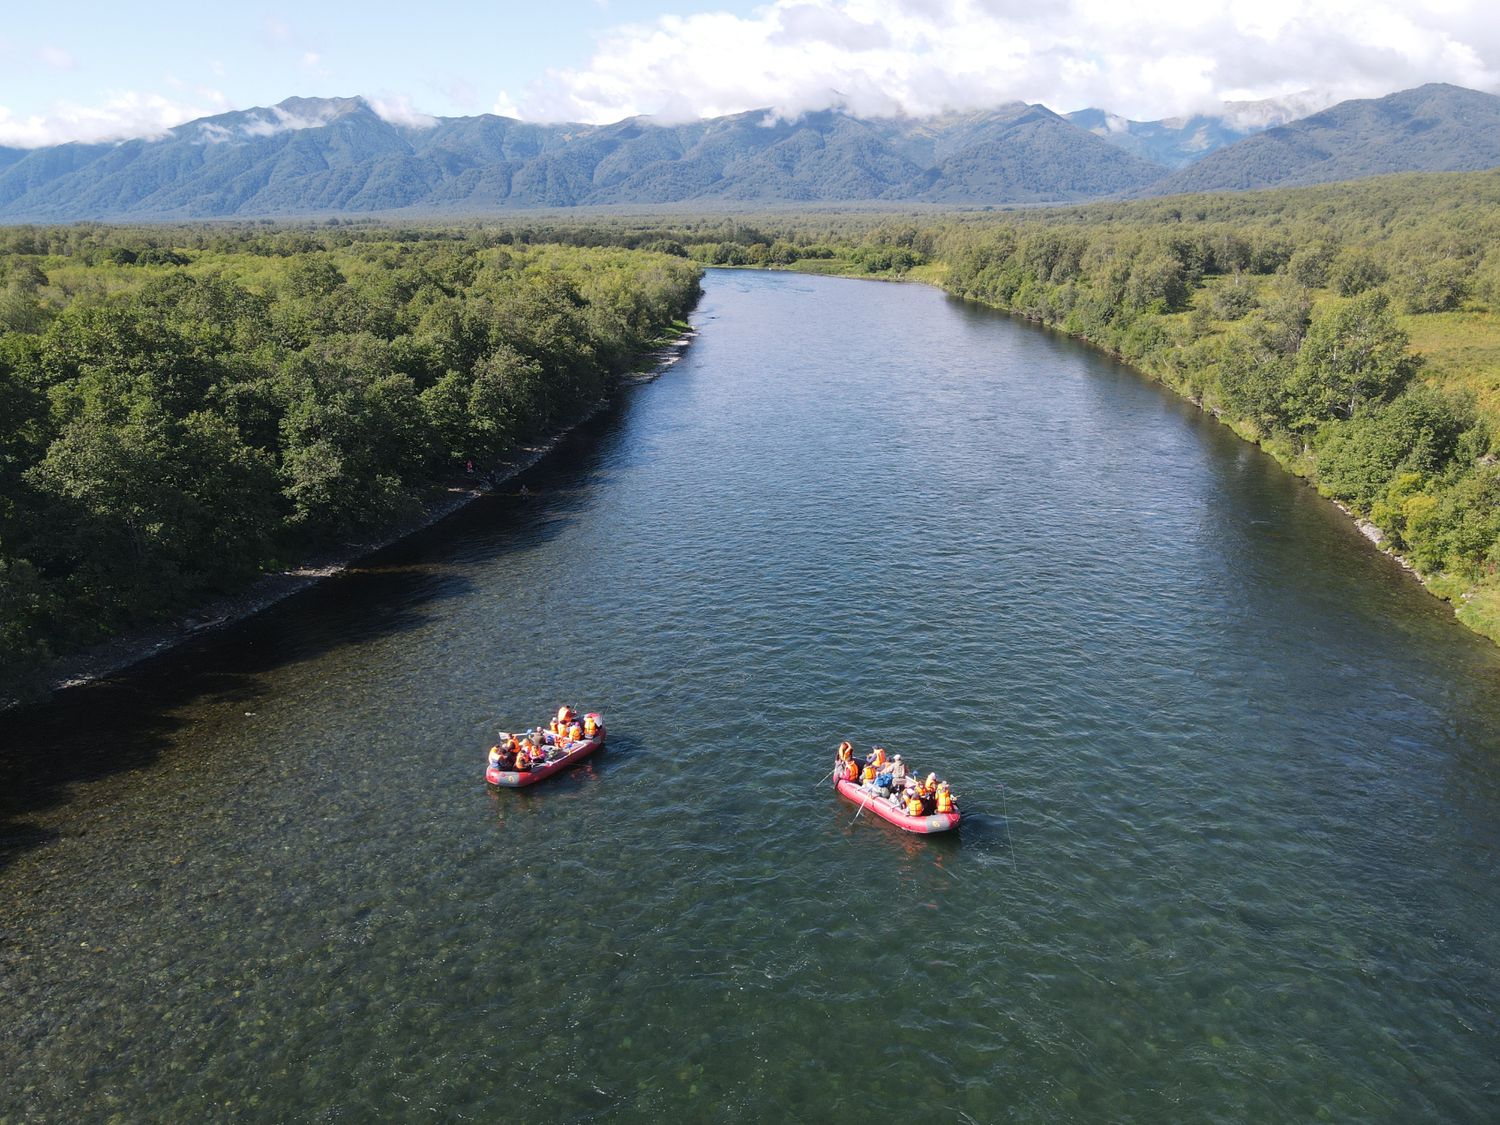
[1434, 128]
[1180, 141]
[310, 156]
[323, 156]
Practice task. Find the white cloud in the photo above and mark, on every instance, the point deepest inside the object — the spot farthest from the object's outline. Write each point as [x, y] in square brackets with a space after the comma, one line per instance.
[56, 58]
[312, 63]
[134, 114]
[926, 56]
[273, 120]
[398, 110]
[128, 113]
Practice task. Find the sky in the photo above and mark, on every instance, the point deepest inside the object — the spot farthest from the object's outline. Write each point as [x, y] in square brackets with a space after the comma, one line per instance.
[103, 71]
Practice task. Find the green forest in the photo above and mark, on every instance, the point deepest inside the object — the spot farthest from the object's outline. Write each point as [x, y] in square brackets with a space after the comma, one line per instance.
[1352, 330]
[1292, 316]
[182, 410]
[185, 408]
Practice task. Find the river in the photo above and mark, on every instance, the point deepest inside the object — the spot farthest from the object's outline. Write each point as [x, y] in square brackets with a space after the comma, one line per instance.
[1231, 781]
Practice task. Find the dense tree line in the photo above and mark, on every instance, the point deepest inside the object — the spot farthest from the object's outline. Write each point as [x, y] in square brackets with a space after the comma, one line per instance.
[1287, 313]
[1284, 313]
[181, 410]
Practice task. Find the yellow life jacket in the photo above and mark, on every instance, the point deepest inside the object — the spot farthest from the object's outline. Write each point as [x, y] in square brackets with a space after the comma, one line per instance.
[914, 806]
[944, 801]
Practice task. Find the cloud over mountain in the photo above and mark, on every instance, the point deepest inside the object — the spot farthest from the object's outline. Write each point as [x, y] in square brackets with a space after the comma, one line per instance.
[126, 113]
[884, 57]
[119, 76]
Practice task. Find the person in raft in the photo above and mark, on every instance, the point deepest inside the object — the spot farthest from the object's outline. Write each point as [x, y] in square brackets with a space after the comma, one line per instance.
[558, 728]
[876, 776]
[845, 768]
[535, 745]
[566, 728]
[503, 753]
[923, 797]
[943, 799]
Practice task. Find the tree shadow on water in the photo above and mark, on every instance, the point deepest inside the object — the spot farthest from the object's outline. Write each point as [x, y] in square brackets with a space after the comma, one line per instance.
[55, 754]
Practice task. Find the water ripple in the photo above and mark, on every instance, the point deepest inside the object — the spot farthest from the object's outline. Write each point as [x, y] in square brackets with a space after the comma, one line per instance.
[1229, 779]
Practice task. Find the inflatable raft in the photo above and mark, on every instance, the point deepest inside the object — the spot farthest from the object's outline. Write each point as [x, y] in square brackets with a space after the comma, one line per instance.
[923, 825]
[518, 779]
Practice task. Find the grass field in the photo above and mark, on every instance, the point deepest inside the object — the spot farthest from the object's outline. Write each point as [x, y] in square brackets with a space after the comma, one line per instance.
[1461, 352]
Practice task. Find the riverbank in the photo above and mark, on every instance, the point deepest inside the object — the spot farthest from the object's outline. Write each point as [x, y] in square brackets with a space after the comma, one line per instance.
[126, 649]
[1249, 775]
[1475, 604]
[1466, 599]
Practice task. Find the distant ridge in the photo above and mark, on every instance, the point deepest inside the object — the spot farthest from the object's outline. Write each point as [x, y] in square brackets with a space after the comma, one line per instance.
[1433, 128]
[1179, 141]
[324, 156]
[309, 156]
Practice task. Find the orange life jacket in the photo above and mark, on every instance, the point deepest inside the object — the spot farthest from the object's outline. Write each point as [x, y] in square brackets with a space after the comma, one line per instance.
[851, 771]
[523, 761]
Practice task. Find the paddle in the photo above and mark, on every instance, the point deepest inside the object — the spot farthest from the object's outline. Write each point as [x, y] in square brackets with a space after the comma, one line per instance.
[1005, 807]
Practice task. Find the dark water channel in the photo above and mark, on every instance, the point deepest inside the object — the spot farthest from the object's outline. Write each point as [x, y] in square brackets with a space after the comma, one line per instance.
[1251, 772]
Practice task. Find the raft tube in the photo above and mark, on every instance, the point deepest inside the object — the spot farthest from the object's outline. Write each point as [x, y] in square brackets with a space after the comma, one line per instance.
[922, 825]
[517, 779]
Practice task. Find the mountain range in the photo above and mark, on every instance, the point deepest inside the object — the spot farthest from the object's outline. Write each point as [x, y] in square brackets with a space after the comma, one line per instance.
[1179, 141]
[1435, 128]
[315, 156]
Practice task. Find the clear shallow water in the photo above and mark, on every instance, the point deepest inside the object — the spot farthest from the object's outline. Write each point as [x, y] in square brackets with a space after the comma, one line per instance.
[1251, 771]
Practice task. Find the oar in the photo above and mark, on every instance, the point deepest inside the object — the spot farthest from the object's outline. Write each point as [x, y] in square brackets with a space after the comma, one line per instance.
[826, 776]
[1005, 806]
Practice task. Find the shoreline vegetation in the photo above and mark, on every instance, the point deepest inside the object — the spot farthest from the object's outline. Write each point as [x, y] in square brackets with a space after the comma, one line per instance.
[1351, 331]
[184, 407]
[182, 411]
[138, 645]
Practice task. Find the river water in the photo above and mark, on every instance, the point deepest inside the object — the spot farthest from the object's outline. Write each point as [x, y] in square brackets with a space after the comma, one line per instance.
[1231, 781]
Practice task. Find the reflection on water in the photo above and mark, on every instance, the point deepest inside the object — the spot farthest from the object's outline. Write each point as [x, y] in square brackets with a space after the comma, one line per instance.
[1229, 781]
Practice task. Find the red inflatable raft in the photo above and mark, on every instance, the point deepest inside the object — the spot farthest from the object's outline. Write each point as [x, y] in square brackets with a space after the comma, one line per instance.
[517, 779]
[924, 825]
